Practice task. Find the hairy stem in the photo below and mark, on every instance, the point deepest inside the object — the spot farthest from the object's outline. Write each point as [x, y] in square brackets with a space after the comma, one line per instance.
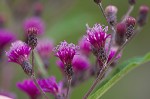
[128, 13]
[32, 60]
[106, 66]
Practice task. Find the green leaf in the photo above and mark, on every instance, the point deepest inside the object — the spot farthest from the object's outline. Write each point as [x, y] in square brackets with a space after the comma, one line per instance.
[118, 73]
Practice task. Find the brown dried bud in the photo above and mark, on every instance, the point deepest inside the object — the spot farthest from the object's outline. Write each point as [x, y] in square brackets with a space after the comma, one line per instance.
[97, 1]
[132, 2]
[120, 33]
[130, 23]
[143, 15]
[27, 67]
[32, 37]
[111, 14]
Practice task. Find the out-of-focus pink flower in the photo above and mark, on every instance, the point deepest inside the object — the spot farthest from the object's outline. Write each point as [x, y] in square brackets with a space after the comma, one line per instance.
[7, 95]
[34, 23]
[29, 87]
[45, 47]
[6, 37]
[50, 85]
[85, 46]
[80, 63]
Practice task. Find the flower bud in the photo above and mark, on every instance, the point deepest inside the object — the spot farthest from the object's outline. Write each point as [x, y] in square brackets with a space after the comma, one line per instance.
[132, 2]
[97, 1]
[38, 8]
[111, 12]
[130, 23]
[120, 33]
[143, 15]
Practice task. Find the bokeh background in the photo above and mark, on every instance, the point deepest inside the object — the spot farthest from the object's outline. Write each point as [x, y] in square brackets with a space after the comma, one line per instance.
[65, 20]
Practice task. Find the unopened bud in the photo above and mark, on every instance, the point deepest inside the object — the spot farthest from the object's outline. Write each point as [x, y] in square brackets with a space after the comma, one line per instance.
[97, 1]
[2, 21]
[132, 2]
[38, 8]
[143, 15]
[130, 23]
[32, 37]
[111, 14]
[120, 33]
[27, 67]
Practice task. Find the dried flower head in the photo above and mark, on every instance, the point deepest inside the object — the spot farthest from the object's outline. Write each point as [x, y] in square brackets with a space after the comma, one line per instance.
[143, 15]
[34, 23]
[65, 52]
[19, 53]
[50, 85]
[85, 46]
[45, 47]
[97, 37]
[111, 13]
[30, 88]
[6, 37]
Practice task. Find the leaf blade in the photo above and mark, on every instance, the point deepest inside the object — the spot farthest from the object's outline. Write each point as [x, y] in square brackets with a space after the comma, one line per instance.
[120, 72]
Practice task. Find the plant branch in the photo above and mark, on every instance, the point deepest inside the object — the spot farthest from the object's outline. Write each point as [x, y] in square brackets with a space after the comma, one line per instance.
[38, 86]
[128, 13]
[68, 87]
[103, 70]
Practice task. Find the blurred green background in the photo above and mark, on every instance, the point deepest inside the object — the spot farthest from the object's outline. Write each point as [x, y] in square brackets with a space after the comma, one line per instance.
[65, 20]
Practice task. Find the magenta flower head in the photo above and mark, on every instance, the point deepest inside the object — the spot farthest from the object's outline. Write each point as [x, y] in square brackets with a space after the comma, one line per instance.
[6, 37]
[45, 47]
[34, 23]
[85, 46]
[19, 53]
[111, 55]
[80, 63]
[30, 88]
[97, 37]
[33, 27]
[50, 85]
[65, 52]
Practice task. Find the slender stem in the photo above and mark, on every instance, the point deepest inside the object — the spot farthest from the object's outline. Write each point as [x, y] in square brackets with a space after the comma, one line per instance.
[37, 85]
[128, 13]
[112, 28]
[68, 88]
[102, 72]
[32, 60]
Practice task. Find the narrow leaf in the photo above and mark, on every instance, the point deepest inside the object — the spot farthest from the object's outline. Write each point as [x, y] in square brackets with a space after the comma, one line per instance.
[118, 73]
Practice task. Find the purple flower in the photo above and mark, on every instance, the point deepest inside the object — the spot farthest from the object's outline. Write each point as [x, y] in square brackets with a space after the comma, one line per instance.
[44, 48]
[97, 35]
[80, 63]
[60, 65]
[29, 87]
[50, 85]
[19, 52]
[112, 53]
[6, 37]
[85, 46]
[34, 23]
[66, 52]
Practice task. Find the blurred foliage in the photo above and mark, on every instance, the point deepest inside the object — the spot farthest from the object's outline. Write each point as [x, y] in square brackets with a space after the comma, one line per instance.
[65, 20]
